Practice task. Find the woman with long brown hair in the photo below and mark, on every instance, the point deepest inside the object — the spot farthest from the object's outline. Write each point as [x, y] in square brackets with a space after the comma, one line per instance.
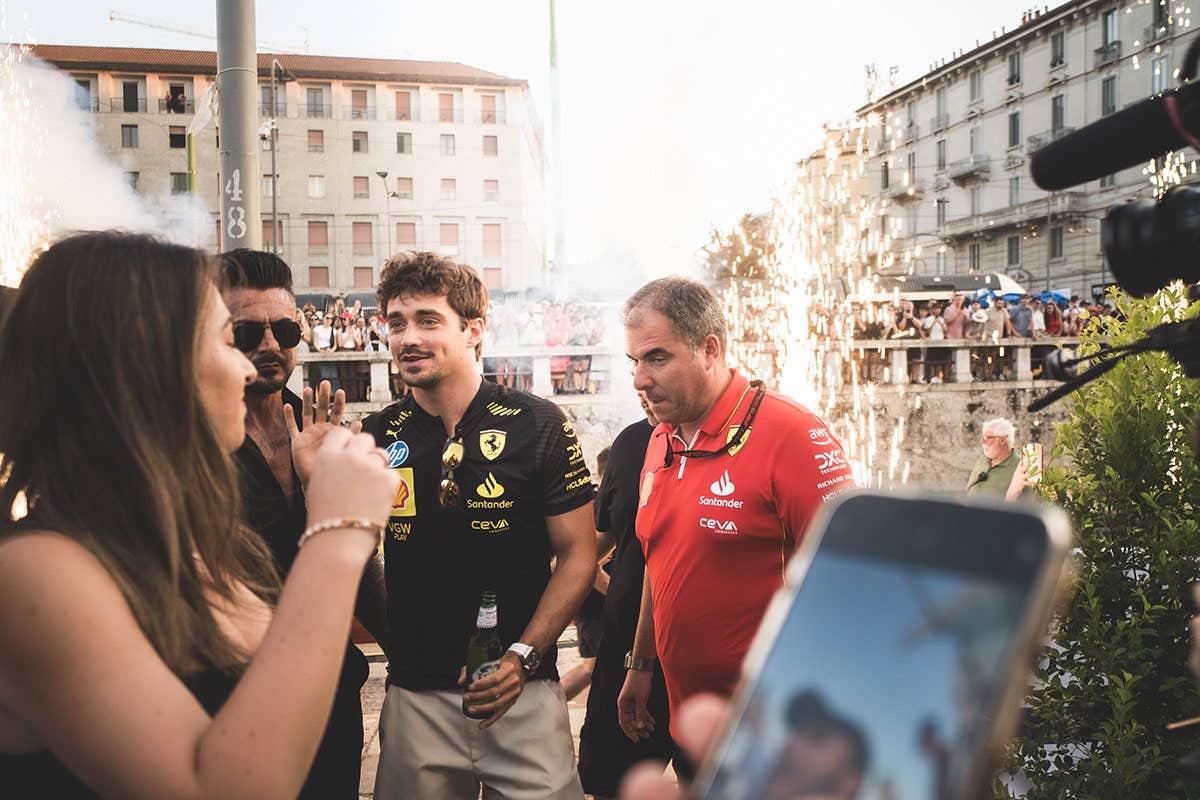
[146, 649]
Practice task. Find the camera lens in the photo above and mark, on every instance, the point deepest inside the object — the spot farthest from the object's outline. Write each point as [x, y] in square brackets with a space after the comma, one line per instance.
[1054, 369]
[1150, 244]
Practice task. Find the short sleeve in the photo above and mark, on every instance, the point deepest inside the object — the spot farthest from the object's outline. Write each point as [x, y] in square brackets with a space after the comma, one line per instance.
[563, 480]
[815, 469]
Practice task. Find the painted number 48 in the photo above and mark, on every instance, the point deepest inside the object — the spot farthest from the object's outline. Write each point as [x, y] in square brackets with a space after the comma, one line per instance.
[235, 225]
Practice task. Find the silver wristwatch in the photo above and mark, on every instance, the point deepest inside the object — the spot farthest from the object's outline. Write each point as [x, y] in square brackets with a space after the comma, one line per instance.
[530, 660]
[640, 664]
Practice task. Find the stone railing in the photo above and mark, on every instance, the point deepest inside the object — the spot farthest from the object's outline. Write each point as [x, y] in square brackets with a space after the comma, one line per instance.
[945, 362]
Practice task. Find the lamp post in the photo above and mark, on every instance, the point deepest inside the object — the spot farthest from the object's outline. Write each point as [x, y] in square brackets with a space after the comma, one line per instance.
[387, 199]
[274, 141]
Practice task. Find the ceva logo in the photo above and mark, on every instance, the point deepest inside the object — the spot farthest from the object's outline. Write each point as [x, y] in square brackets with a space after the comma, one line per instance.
[721, 525]
[722, 487]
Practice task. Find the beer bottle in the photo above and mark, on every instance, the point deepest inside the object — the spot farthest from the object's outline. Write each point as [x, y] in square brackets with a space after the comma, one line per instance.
[484, 648]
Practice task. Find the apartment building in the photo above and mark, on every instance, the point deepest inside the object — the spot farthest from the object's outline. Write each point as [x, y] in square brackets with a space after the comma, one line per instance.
[372, 156]
[950, 163]
[833, 186]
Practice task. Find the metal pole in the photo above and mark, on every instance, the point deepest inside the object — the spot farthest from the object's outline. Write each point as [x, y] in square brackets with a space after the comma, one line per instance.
[1049, 233]
[387, 202]
[274, 174]
[560, 235]
[237, 79]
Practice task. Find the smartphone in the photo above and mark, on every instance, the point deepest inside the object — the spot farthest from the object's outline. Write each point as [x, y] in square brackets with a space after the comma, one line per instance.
[1032, 453]
[894, 661]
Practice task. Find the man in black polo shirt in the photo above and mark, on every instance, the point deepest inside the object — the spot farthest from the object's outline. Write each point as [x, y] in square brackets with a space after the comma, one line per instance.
[493, 484]
[605, 752]
[258, 292]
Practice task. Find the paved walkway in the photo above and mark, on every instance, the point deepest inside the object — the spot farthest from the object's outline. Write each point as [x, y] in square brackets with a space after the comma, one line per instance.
[372, 701]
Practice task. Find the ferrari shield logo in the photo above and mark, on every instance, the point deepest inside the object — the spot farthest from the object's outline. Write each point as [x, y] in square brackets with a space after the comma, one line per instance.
[491, 444]
[733, 451]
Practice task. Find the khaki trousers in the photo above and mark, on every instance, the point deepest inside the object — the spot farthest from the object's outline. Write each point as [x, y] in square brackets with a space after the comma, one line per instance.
[429, 750]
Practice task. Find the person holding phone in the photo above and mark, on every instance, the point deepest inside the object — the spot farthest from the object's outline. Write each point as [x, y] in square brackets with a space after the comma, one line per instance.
[732, 476]
[1000, 470]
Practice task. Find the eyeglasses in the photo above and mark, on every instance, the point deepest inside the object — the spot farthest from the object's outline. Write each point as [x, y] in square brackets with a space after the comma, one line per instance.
[743, 429]
[248, 334]
[987, 437]
[452, 456]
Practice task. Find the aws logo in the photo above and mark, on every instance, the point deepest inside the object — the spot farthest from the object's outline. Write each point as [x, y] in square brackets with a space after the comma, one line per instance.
[490, 488]
[490, 525]
[497, 410]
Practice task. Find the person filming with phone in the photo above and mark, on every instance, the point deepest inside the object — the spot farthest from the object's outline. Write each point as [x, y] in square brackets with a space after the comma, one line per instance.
[1001, 470]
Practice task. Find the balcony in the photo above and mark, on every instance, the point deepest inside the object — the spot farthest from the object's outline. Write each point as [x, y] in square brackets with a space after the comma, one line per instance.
[402, 114]
[1014, 78]
[939, 122]
[264, 109]
[318, 110]
[359, 112]
[969, 169]
[1039, 140]
[1161, 30]
[176, 105]
[885, 144]
[131, 106]
[87, 103]
[912, 132]
[905, 191]
[494, 116]
[1108, 53]
[1059, 204]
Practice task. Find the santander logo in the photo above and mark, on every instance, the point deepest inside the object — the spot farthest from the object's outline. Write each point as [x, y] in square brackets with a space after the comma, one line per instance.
[722, 487]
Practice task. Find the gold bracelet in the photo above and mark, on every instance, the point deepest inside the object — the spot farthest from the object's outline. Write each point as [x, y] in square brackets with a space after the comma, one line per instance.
[337, 524]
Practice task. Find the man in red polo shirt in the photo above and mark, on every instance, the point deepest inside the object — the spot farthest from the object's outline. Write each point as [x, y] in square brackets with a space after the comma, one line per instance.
[732, 476]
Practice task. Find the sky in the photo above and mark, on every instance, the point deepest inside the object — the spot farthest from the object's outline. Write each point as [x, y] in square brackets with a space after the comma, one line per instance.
[678, 115]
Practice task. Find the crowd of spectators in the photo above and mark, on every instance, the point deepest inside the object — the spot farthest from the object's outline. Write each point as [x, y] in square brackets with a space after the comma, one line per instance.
[341, 328]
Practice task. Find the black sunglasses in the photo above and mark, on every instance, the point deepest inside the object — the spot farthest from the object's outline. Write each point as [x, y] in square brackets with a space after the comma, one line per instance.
[734, 441]
[247, 335]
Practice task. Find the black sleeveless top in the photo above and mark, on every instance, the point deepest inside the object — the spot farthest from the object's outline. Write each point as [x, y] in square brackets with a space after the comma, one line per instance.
[41, 775]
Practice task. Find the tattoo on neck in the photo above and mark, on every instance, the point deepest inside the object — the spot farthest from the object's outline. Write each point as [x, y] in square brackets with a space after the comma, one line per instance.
[276, 444]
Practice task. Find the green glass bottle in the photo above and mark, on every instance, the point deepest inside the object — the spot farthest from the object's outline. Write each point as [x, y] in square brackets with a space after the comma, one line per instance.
[484, 648]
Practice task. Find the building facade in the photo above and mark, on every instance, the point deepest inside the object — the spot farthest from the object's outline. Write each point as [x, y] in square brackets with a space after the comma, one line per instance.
[950, 162]
[372, 156]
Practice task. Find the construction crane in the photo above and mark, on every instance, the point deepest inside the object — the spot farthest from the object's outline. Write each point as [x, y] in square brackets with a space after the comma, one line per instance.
[264, 47]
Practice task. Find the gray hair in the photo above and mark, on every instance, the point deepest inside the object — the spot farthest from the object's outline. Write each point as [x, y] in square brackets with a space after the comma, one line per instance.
[1001, 427]
[691, 307]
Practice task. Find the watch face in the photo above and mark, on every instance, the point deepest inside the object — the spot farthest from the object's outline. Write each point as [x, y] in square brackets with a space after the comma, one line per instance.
[532, 663]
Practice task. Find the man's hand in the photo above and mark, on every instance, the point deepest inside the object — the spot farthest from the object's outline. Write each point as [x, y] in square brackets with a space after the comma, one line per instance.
[632, 714]
[324, 418]
[698, 723]
[495, 694]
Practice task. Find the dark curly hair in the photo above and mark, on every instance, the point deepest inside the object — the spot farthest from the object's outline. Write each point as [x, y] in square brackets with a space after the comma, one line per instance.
[425, 273]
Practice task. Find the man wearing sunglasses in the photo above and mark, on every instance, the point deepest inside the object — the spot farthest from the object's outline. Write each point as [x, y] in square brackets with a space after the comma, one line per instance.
[493, 485]
[732, 476]
[273, 467]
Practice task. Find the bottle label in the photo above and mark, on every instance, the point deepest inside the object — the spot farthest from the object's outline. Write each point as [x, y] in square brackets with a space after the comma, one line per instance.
[484, 669]
[486, 618]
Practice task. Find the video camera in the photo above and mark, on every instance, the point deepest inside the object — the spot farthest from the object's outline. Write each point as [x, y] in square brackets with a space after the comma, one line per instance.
[1148, 243]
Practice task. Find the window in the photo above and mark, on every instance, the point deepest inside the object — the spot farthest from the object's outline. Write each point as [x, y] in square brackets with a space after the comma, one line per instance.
[130, 99]
[491, 240]
[179, 183]
[884, 175]
[973, 140]
[449, 188]
[358, 104]
[177, 137]
[487, 104]
[940, 102]
[448, 238]
[1058, 113]
[316, 141]
[491, 145]
[975, 196]
[1108, 181]
[1014, 190]
[941, 206]
[939, 263]
[129, 136]
[1014, 129]
[910, 169]
[404, 143]
[272, 243]
[1108, 27]
[973, 258]
[362, 186]
[1108, 96]
[358, 141]
[316, 185]
[447, 144]
[911, 213]
[1058, 49]
[406, 234]
[910, 114]
[268, 185]
[1056, 242]
[264, 104]
[1014, 69]
[361, 232]
[364, 278]
[403, 106]
[976, 84]
[318, 237]
[493, 278]
[1160, 71]
[941, 154]
[131, 178]
[315, 105]
[318, 277]
[404, 188]
[1014, 251]
[83, 94]
[491, 190]
[446, 107]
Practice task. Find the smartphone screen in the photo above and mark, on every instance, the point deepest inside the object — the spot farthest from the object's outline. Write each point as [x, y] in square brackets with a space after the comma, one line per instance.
[887, 669]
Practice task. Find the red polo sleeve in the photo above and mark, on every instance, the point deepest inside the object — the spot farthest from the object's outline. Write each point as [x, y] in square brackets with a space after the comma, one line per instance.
[812, 467]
